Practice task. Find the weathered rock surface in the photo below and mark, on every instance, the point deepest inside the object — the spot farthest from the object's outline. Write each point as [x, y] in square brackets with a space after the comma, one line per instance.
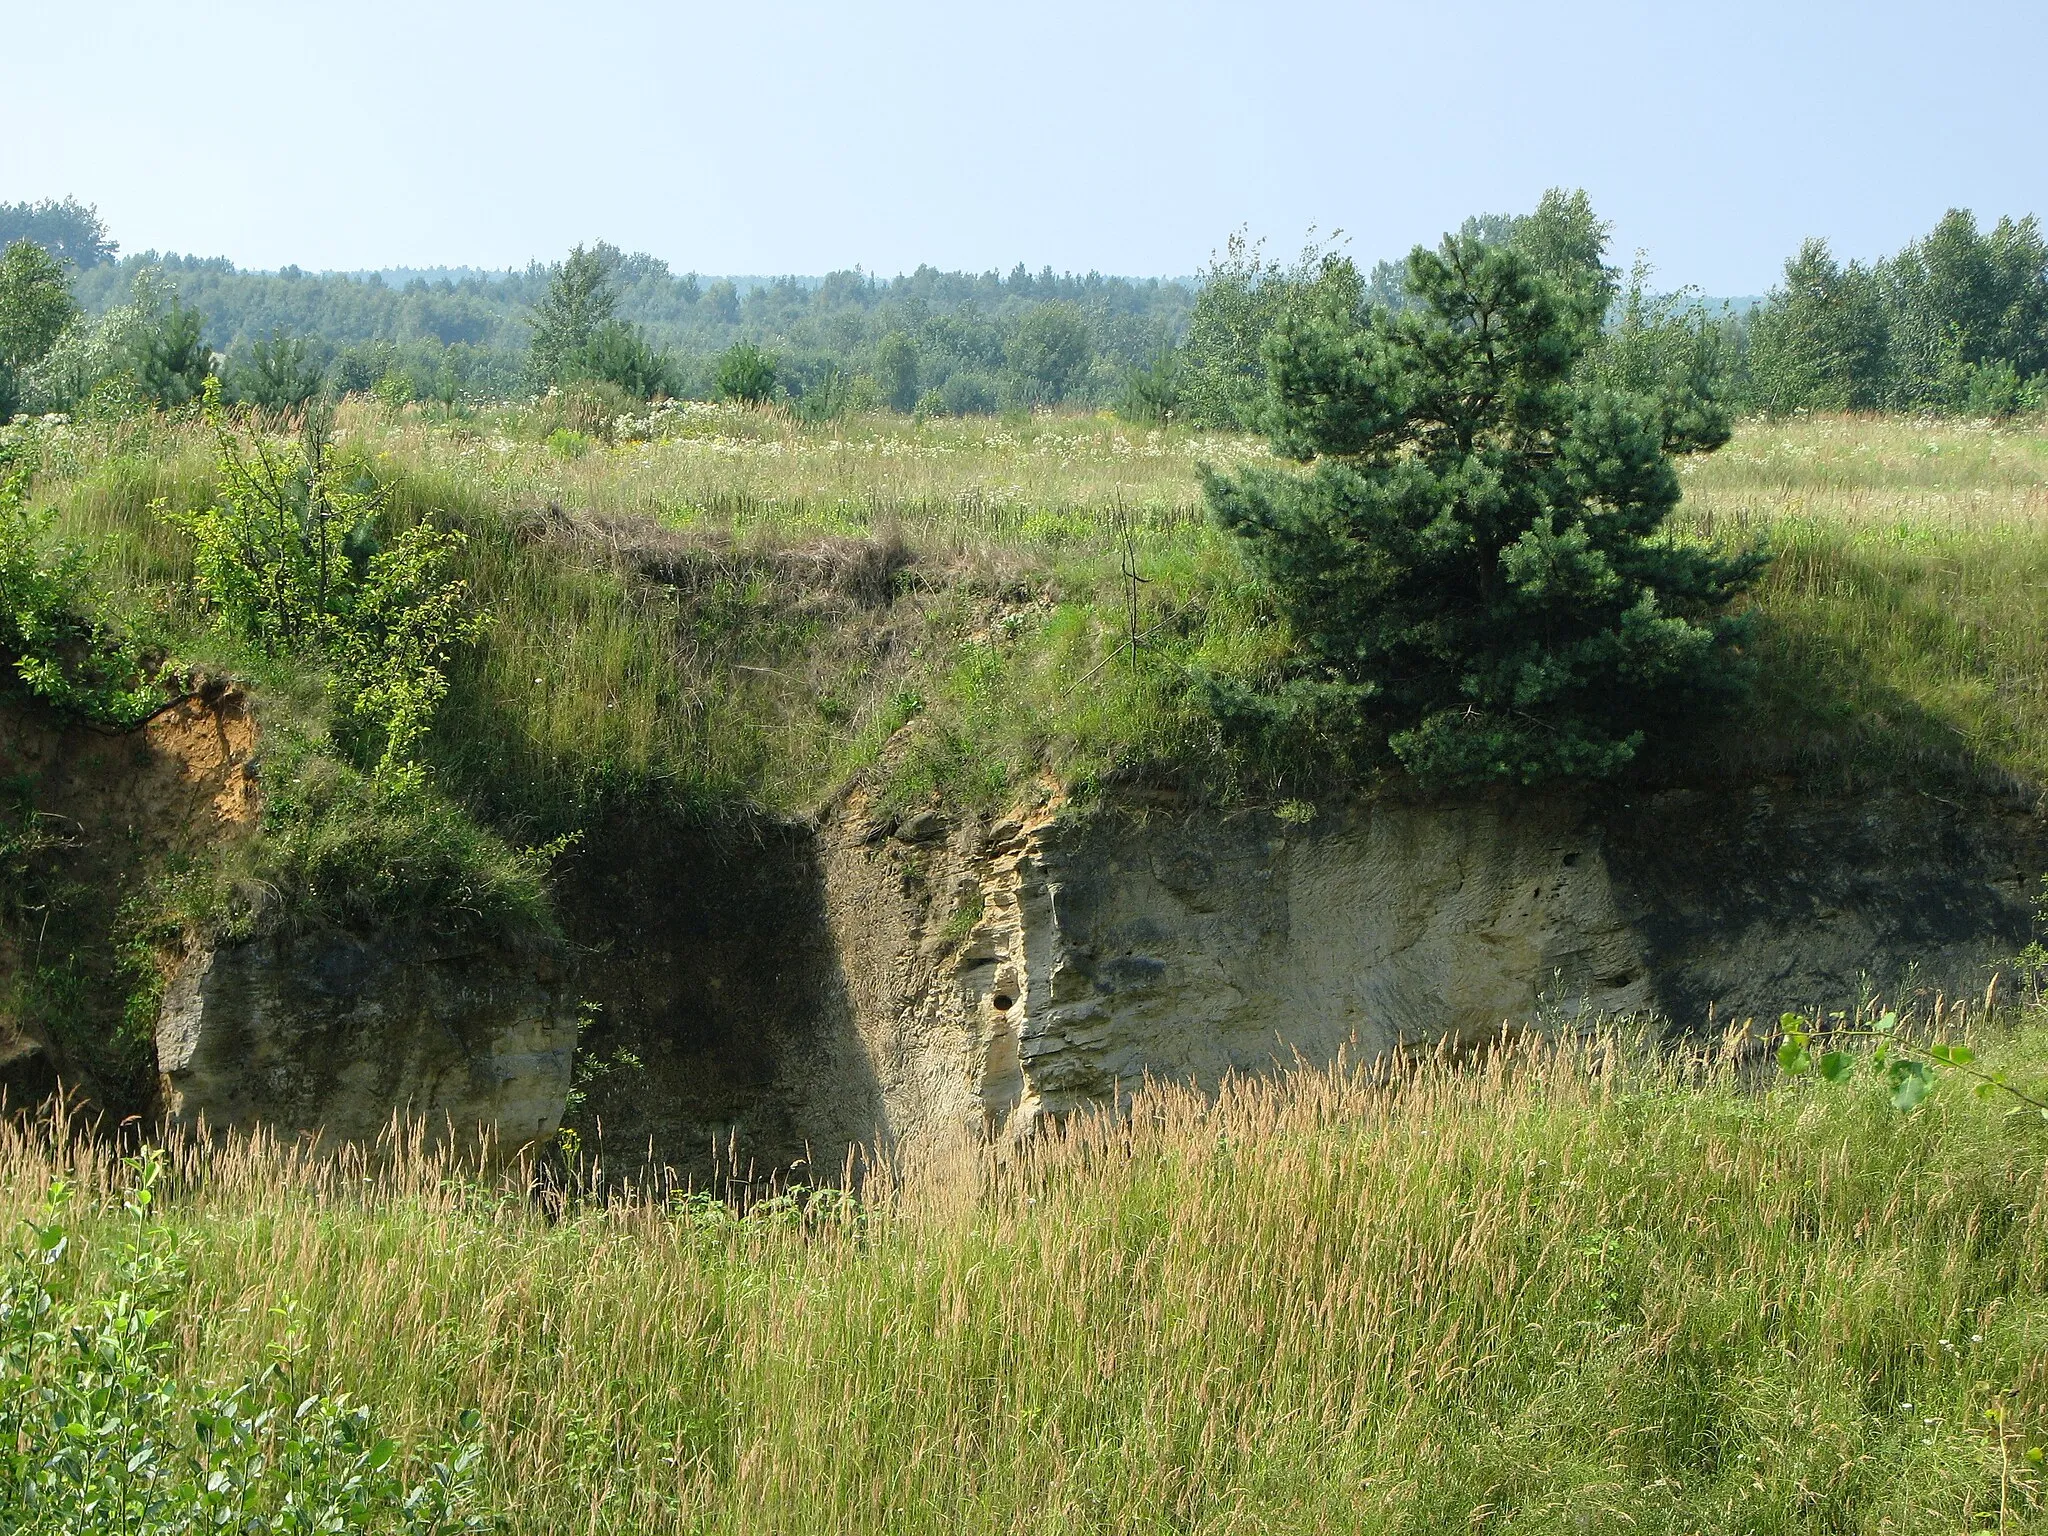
[92, 815]
[1038, 964]
[328, 1032]
[785, 990]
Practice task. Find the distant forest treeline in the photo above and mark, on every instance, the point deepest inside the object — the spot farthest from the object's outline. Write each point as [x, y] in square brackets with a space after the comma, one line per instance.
[474, 331]
[1957, 321]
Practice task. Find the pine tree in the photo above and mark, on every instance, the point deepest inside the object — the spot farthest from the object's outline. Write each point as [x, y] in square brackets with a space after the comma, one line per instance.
[171, 359]
[1471, 565]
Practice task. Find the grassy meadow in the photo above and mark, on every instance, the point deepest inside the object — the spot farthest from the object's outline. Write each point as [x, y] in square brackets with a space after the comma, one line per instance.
[1568, 1288]
[728, 606]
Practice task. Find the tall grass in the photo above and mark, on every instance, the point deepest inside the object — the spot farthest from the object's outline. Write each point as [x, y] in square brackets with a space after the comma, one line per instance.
[1905, 608]
[1566, 1288]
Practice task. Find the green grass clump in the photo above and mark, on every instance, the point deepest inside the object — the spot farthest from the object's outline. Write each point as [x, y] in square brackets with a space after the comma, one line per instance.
[1566, 1288]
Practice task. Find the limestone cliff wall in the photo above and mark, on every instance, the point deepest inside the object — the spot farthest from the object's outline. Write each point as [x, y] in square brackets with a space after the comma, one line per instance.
[997, 972]
[325, 1032]
[764, 995]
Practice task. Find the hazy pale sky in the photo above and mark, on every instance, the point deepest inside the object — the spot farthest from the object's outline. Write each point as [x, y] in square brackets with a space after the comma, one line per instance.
[1120, 136]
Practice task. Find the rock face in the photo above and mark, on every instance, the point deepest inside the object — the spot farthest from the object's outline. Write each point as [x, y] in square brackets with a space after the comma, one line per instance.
[1001, 972]
[764, 996]
[780, 991]
[90, 817]
[333, 1033]
[1081, 955]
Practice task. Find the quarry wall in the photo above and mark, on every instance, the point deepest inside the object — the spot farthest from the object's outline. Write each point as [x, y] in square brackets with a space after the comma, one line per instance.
[761, 996]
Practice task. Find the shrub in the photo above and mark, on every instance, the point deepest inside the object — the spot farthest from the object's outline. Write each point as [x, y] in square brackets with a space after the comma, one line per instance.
[98, 1433]
[618, 353]
[282, 372]
[56, 647]
[896, 371]
[1049, 352]
[170, 357]
[968, 394]
[832, 392]
[1471, 568]
[1222, 373]
[1151, 394]
[35, 308]
[98, 356]
[288, 557]
[744, 373]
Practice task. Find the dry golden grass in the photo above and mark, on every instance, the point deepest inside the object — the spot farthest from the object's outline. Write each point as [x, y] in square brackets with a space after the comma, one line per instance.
[1567, 1288]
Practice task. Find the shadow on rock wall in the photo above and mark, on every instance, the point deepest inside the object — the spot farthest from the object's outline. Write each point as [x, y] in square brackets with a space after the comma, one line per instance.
[708, 959]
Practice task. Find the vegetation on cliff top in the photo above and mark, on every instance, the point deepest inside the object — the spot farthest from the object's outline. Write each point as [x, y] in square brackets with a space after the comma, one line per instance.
[718, 605]
[1472, 568]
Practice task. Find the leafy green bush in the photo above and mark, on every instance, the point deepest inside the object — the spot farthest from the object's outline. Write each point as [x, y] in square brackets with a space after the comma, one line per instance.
[93, 354]
[896, 369]
[1221, 371]
[968, 394]
[1049, 352]
[744, 373]
[288, 557]
[35, 308]
[1472, 568]
[99, 1434]
[57, 648]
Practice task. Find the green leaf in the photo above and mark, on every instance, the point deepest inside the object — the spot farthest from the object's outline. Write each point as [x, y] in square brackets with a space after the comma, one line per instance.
[1961, 1055]
[1793, 1058]
[1886, 1024]
[1789, 1022]
[1837, 1066]
[1913, 1081]
[1985, 1090]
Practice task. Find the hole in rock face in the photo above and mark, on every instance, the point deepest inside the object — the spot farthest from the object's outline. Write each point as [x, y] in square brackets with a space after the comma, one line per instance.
[1003, 1002]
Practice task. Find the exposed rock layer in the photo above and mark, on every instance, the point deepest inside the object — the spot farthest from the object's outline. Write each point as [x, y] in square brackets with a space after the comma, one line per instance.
[1002, 972]
[332, 1033]
[781, 991]
[92, 815]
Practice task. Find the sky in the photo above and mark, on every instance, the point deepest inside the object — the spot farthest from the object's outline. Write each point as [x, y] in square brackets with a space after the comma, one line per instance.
[1115, 136]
